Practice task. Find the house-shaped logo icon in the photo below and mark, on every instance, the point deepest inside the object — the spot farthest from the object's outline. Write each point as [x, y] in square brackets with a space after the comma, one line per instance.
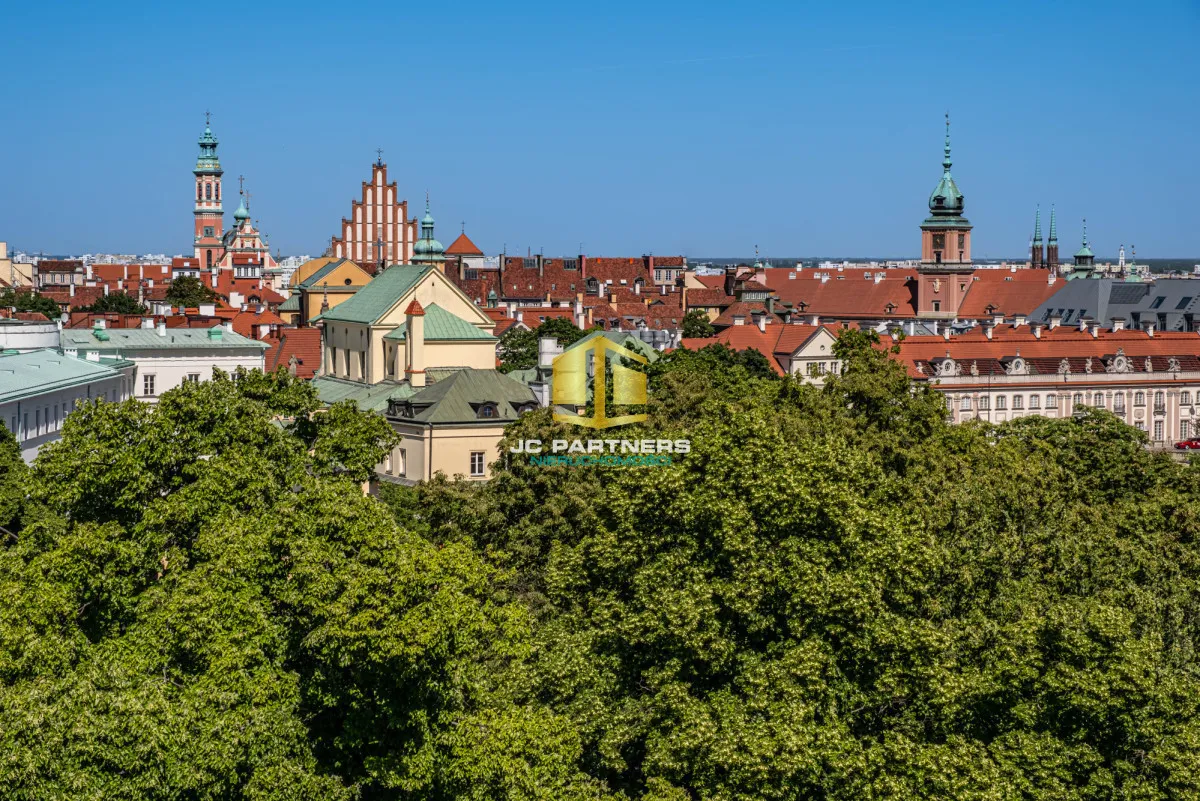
[570, 386]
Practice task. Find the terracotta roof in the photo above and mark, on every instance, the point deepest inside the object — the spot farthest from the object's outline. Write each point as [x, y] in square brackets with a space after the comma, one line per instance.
[1044, 355]
[303, 343]
[1007, 293]
[744, 309]
[415, 309]
[776, 341]
[84, 295]
[463, 246]
[848, 294]
[246, 322]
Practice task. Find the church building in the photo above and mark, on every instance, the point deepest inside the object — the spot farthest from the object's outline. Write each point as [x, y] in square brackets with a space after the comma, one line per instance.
[378, 231]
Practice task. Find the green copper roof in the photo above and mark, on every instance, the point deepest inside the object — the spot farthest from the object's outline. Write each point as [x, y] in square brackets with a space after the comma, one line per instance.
[1037, 227]
[378, 296]
[38, 372]
[1085, 251]
[946, 200]
[242, 212]
[428, 250]
[134, 340]
[457, 397]
[207, 162]
[441, 325]
[292, 304]
[1053, 228]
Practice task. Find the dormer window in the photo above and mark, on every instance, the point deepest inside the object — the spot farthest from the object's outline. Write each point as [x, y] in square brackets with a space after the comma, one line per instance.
[487, 411]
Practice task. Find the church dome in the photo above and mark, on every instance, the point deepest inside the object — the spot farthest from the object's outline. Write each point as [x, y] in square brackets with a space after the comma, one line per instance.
[946, 200]
[242, 212]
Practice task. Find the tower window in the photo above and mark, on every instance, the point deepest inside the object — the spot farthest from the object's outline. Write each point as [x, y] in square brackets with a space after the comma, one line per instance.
[208, 191]
[199, 192]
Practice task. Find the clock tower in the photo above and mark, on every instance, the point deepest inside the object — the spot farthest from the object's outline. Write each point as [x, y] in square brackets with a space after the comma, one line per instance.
[208, 248]
[944, 275]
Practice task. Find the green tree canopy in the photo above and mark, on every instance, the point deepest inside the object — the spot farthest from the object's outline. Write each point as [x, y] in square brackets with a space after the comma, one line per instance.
[117, 302]
[697, 324]
[28, 301]
[837, 594]
[518, 348]
[188, 291]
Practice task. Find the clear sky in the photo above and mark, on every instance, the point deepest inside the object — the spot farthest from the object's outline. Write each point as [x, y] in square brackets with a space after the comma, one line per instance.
[664, 127]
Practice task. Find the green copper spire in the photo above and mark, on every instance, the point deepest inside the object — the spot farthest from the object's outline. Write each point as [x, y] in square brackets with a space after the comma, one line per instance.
[207, 162]
[1053, 228]
[1037, 227]
[1084, 252]
[428, 250]
[946, 157]
[946, 200]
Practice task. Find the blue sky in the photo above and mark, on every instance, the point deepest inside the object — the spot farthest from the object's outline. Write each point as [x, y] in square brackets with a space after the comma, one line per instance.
[703, 129]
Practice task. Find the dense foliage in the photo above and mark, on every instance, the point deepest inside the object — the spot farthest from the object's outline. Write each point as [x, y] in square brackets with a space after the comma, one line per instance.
[117, 302]
[28, 301]
[835, 595]
[697, 324]
[518, 348]
[189, 292]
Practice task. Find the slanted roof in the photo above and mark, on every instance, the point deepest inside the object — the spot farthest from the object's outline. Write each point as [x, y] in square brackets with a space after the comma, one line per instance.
[37, 372]
[377, 297]
[292, 304]
[457, 398]
[463, 246]
[441, 326]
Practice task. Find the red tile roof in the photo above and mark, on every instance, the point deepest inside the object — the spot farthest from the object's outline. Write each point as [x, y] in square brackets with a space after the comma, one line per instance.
[302, 343]
[1007, 293]
[463, 246]
[848, 294]
[777, 341]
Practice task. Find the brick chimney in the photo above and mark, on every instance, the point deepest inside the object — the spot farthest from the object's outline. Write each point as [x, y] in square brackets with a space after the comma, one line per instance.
[414, 344]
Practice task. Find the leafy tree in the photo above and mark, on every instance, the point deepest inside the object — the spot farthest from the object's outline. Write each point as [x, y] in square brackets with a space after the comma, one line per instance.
[188, 291]
[13, 476]
[28, 301]
[117, 302]
[206, 606]
[696, 324]
[518, 348]
[837, 594]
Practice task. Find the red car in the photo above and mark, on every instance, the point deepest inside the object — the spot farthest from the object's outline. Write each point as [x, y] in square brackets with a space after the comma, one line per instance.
[1192, 444]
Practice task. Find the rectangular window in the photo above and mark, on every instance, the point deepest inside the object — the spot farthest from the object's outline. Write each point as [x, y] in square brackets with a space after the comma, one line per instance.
[37, 422]
[983, 403]
[937, 305]
[1158, 430]
[965, 404]
[193, 377]
[1018, 402]
[1001, 402]
[148, 384]
[471, 275]
[476, 463]
[1185, 429]
[570, 264]
[402, 462]
[1035, 402]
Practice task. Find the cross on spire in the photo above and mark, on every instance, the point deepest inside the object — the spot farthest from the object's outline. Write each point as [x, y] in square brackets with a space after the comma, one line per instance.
[241, 180]
[207, 116]
[379, 156]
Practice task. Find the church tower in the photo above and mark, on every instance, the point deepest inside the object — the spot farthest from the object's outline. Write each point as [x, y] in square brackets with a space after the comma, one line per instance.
[428, 250]
[1052, 245]
[1036, 257]
[208, 212]
[944, 275]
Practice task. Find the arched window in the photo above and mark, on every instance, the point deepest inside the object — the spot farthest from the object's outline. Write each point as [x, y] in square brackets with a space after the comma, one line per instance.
[208, 191]
[487, 411]
[199, 192]
[218, 193]
[208, 259]
[1077, 400]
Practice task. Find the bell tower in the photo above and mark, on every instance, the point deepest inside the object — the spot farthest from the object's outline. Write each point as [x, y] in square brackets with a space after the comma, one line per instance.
[208, 248]
[1037, 255]
[944, 275]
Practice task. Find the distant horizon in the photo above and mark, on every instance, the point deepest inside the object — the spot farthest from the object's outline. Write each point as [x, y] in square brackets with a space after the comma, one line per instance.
[629, 128]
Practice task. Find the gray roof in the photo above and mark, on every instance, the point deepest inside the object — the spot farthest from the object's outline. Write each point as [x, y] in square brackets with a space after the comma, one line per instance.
[460, 396]
[132, 340]
[1172, 304]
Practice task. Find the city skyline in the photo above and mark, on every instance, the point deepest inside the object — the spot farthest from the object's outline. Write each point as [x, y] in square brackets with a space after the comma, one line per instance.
[698, 148]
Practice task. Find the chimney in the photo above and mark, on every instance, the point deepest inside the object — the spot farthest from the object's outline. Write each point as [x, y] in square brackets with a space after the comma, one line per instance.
[161, 328]
[946, 333]
[1037, 331]
[548, 350]
[739, 319]
[1094, 328]
[878, 277]
[208, 309]
[997, 319]
[148, 323]
[520, 316]
[1018, 320]
[1084, 322]
[814, 319]
[770, 304]
[1055, 321]
[99, 323]
[987, 330]
[600, 289]
[760, 320]
[1149, 329]
[414, 345]
[1118, 323]
[580, 319]
[71, 290]
[730, 279]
